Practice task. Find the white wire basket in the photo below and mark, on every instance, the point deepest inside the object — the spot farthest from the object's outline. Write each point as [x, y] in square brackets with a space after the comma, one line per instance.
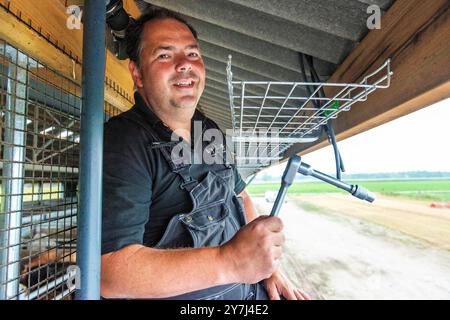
[268, 117]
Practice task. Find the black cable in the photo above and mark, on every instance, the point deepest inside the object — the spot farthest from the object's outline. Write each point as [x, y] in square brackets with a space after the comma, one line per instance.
[328, 128]
[310, 91]
[337, 154]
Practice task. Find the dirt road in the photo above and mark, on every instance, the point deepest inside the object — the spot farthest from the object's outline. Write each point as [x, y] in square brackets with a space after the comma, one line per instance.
[336, 256]
[412, 217]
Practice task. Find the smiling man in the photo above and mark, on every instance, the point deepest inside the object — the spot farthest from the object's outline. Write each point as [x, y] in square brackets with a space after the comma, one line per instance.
[175, 230]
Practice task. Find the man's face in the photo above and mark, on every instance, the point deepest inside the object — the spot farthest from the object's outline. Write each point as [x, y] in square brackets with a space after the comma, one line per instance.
[172, 73]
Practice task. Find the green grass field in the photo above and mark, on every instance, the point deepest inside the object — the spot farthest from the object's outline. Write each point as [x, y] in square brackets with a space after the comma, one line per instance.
[427, 190]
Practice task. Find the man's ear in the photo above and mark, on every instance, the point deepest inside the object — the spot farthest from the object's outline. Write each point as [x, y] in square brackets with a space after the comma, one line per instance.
[135, 74]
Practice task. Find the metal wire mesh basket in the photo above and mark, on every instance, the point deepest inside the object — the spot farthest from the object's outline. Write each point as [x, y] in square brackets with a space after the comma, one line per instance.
[268, 117]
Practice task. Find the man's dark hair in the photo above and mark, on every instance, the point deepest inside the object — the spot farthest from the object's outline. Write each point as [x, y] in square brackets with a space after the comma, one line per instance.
[136, 30]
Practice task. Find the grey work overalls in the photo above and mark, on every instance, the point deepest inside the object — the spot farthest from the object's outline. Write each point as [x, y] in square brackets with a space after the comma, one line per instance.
[215, 218]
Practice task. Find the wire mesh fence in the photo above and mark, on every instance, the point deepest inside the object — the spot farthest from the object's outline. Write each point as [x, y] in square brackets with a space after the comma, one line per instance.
[39, 161]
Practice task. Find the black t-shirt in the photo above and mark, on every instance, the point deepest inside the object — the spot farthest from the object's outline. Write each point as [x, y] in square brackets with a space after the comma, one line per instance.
[140, 192]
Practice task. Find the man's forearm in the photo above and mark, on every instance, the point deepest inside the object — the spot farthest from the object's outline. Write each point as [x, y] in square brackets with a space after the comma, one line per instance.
[139, 272]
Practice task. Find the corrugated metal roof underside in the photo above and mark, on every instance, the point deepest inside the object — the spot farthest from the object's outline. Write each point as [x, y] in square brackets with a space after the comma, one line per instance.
[265, 38]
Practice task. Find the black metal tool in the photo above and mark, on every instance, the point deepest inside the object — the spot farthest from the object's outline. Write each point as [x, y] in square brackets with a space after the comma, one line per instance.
[286, 181]
[295, 165]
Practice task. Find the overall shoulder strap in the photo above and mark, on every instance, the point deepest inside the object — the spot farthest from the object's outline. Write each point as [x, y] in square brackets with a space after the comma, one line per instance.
[165, 147]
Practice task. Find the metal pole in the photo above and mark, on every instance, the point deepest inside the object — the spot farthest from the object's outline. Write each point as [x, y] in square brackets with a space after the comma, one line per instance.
[356, 190]
[91, 155]
[295, 165]
[13, 174]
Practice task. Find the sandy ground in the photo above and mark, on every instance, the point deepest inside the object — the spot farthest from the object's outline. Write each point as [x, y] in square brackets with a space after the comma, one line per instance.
[338, 256]
[412, 217]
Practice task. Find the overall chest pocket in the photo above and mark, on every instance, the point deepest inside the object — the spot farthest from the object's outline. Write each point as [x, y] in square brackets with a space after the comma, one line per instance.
[212, 221]
[211, 225]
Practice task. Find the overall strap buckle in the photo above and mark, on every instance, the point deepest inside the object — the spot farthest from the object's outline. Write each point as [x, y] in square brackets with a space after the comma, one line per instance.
[185, 174]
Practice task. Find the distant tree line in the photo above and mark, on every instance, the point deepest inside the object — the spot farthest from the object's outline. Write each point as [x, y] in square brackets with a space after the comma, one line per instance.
[368, 176]
[399, 175]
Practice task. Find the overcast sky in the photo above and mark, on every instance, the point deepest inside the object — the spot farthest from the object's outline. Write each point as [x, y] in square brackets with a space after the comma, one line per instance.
[418, 141]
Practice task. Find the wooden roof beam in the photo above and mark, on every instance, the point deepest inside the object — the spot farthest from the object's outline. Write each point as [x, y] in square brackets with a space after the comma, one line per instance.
[45, 37]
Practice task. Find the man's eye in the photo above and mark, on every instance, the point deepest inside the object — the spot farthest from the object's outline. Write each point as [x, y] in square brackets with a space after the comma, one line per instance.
[163, 56]
[193, 54]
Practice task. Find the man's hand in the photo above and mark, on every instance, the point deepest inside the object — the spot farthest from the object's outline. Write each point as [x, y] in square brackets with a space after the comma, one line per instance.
[254, 252]
[278, 285]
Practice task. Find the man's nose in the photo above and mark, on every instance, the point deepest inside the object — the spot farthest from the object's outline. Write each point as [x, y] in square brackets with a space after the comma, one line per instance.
[183, 65]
